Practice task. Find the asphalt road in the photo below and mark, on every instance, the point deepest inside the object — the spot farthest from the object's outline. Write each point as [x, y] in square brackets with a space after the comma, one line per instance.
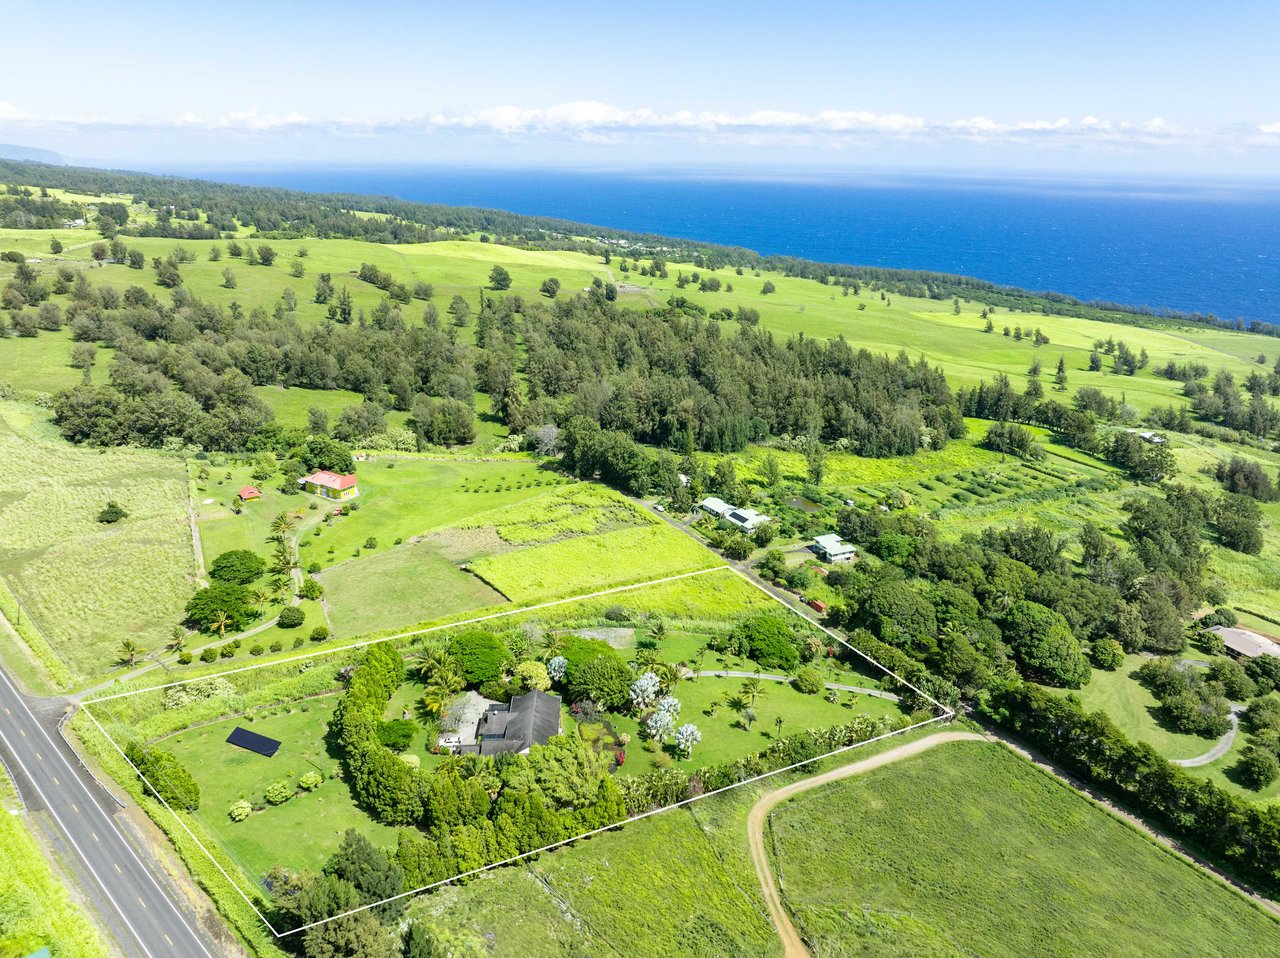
[117, 877]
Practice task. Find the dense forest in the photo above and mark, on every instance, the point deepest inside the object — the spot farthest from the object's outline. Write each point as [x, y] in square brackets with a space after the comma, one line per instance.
[274, 212]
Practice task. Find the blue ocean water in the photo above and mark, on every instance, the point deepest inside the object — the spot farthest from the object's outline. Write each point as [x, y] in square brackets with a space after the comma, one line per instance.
[1194, 245]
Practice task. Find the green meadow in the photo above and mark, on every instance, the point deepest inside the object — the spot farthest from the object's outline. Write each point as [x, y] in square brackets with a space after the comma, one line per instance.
[1045, 871]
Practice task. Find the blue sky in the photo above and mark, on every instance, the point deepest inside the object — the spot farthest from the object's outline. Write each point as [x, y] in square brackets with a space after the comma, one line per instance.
[1093, 87]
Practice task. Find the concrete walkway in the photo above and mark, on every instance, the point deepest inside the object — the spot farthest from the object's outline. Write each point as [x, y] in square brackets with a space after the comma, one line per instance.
[731, 674]
[793, 945]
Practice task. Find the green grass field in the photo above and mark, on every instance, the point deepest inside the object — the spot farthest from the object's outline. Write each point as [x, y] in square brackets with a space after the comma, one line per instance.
[589, 563]
[87, 585]
[1044, 871]
[404, 585]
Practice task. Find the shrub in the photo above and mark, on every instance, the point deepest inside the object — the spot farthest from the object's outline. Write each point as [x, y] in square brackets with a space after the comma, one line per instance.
[617, 613]
[371, 542]
[276, 646]
[1107, 654]
[240, 811]
[227, 651]
[397, 734]
[112, 513]
[291, 617]
[319, 634]
[310, 781]
[605, 679]
[313, 567]
[256, 649]
[809, 681]
[479, 654]
[185, 658]
[311, 589]
[238, 565]
[279, 792]
[768, 639]
[299, 641]
[1257, 767]
[208, 655]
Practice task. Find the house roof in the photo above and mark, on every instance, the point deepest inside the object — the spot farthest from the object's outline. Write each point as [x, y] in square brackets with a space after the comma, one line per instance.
[1246, 643]
[747, 517]
[716, 505]
[330, 480]
[250, 492]
[832, 544]
[529, 720]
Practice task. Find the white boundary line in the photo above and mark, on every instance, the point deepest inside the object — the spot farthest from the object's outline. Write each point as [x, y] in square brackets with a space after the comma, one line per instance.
[946, 714]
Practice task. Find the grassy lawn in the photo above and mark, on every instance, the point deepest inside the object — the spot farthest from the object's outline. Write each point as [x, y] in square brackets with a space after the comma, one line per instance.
[1133, 709]
[302, 832]
[1042, 870]
[88, 585]
[725, 736]
[42, 364]
[399, 587]
[587, 563]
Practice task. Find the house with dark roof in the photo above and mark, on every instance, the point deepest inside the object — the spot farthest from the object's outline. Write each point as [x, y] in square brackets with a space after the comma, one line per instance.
[331, 485]
[1245, 643]
[516, 726]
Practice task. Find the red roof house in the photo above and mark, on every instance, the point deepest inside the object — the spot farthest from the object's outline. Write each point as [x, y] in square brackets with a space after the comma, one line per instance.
[331, 485]
[249, 493]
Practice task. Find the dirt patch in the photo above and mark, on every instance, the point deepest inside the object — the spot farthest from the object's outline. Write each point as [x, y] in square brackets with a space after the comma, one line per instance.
[461, 545]
[618, 638]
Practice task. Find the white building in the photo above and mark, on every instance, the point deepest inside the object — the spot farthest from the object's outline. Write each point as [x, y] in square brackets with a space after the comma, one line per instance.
[834, 549]
[714, 507]
[747, 519]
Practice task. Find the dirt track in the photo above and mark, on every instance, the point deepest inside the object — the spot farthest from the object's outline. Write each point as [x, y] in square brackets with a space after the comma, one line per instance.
[792, 945]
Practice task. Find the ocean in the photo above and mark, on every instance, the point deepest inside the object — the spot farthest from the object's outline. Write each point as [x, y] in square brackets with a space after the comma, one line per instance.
[1193, 245]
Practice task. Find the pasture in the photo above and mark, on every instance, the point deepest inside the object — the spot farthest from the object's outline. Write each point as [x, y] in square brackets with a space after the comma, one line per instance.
[1044, 871]
[88, 585]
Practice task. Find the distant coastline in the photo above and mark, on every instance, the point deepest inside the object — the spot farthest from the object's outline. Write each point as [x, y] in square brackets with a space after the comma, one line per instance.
[1187, 245]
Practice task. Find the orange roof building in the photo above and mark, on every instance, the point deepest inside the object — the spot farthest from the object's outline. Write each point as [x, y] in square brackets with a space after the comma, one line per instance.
[249, 494]
[330, 485]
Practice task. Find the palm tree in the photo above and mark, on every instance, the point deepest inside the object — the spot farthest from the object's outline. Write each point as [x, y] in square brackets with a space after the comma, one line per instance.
[552, 643]
[697, 664]
[220, 622]
[441, 691]
[279, 588]
[777, 724]
[129, 651]
[433, 657]
[668, 675]
[646, 659]
[283, 523]
[177, 639]
[748, 716]
[752, 689]
[261, 598]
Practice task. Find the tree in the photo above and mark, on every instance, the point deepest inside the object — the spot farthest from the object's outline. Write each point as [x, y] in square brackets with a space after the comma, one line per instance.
[533, 675]
[771, 469]
[371, 871]
[550, 287]
[218, 599]
[1108, 654]
[605, 679]
[266, 255]
[479, 655]
[1060, 377]
[809, 681]
[687, 736]
[1044, 644]
[752, 689]
[164, 775]
[55, 246]
[768, 288]
[228, 278]
[238, 565]
[1257, 768]
[815, 457]
[1239, 523]
[499, 278]
[749, 717]
[129, 652]
[291, 617]
[323, 452]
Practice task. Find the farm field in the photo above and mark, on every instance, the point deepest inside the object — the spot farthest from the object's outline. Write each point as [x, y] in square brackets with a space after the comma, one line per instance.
[87, 585]
[1047, 872]
[584, 564]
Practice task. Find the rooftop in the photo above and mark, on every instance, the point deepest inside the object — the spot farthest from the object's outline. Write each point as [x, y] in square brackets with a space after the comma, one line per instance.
[1245, 642]
[330, 480]
[528, 720]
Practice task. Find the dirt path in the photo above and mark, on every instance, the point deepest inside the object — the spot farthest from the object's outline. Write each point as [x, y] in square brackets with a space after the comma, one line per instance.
[792, 944]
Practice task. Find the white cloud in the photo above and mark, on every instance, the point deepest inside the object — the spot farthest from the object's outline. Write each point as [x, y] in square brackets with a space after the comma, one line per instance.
[600, 122]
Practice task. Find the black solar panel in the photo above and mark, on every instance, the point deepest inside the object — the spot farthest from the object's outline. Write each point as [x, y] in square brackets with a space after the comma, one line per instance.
[254, 742]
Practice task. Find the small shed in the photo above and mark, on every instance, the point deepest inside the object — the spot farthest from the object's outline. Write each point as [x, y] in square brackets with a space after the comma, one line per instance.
[249, 494]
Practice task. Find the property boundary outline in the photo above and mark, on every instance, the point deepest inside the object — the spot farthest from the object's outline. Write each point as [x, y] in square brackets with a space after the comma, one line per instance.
[945, 714]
